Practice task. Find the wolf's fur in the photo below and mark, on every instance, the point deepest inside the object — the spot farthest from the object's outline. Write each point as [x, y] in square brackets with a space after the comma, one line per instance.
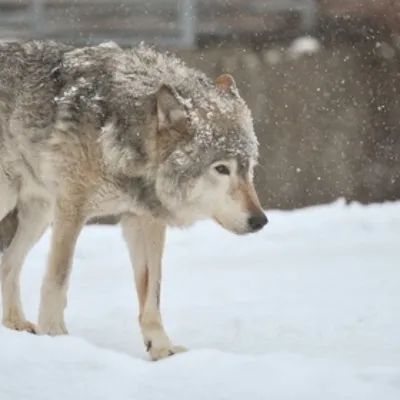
[100, 130]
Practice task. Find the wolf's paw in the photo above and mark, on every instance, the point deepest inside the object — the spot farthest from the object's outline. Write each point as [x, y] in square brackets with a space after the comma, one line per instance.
[158, 353]
[52, 329]
[20, 325]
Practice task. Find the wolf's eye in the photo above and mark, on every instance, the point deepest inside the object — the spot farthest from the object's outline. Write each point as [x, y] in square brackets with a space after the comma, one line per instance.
[222, 169]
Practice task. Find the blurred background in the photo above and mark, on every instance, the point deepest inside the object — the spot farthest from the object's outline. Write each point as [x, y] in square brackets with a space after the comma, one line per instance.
[322, 78]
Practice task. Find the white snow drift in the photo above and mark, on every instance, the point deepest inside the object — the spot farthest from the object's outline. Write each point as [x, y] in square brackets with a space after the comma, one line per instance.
[309, 308]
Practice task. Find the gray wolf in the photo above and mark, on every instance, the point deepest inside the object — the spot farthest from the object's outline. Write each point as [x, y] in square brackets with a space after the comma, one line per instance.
[95, 131]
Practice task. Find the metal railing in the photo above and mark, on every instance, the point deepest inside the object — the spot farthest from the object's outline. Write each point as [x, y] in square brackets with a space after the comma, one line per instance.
[162, 22]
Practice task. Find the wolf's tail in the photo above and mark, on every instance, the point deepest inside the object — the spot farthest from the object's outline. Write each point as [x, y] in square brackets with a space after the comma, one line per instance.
[8, 228]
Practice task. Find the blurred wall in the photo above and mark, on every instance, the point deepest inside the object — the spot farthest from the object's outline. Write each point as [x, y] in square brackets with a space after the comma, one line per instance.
[328, 121]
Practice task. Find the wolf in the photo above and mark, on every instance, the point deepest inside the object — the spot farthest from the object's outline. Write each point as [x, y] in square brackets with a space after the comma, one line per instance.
[99, 130]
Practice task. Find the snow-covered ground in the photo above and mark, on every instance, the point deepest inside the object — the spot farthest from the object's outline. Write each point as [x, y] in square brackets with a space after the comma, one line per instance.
[309, 309]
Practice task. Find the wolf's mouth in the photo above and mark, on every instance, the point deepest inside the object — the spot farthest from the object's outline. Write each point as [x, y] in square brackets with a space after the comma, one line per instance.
[233, 230]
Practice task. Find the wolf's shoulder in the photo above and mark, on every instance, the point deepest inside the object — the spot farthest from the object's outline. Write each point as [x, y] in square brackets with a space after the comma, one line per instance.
[141, 67]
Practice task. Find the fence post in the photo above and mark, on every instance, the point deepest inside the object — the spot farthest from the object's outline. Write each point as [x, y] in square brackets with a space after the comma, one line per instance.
[308, 15]
[38, 20]
[187, 22]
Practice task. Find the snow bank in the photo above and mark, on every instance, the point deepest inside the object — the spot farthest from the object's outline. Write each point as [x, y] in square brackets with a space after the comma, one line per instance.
[306, 309]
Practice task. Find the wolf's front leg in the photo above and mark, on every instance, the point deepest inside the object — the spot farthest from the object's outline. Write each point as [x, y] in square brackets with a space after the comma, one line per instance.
[33, 218]
[67, 225]
[145, 239]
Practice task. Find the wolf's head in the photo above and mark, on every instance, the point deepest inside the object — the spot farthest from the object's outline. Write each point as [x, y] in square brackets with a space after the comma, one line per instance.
[207, 150]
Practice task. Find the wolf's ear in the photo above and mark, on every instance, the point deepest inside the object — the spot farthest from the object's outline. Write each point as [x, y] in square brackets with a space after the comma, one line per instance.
[226, 83]
[170, 111]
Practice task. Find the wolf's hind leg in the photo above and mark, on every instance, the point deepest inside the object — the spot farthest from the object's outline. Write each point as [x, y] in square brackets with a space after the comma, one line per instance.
[145, 239]
[33, 219]
[67, 225]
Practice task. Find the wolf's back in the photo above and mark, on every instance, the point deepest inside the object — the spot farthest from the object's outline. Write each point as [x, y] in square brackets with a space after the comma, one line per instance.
[23, 67]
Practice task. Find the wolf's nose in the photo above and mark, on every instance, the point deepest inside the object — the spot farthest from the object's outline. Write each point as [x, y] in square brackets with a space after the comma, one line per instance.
[257, 222]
